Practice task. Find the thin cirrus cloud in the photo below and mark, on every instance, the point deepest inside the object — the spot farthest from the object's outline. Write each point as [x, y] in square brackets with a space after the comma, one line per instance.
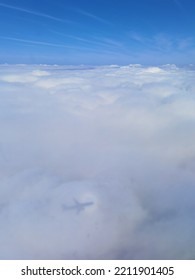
[83, 52]
[92, 41]
[163, 42]
[34, 42]
[43, 43]
[120, 137]
[92, 16]
[89, 41]
[43, 15]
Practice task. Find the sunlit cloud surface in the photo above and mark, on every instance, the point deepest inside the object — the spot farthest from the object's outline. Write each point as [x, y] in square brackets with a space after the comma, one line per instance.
[122, 138]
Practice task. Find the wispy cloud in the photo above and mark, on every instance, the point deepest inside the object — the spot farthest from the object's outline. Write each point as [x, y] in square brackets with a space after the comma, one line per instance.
[186, 43]
[112, 42]
[34, 42]
[90, 15]
[43, 15]
[49, 44]
[137, 37]
[178, 4]
[163, 42]
[95, 41]
[77, 38]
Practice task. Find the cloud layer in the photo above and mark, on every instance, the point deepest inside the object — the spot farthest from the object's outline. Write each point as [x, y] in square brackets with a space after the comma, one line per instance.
[122, 137]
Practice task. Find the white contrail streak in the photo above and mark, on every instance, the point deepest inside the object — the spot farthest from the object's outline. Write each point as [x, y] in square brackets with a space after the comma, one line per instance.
[90, 15]
[33, 12]
[35, 42]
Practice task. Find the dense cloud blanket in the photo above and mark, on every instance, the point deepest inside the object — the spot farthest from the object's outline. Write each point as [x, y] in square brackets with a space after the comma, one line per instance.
[118, 141]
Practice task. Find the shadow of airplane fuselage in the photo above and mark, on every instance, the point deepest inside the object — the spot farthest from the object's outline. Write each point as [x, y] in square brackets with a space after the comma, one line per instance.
[77, 206]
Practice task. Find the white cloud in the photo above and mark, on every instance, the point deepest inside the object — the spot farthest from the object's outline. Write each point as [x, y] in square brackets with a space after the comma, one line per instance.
[18, 78]
[121, 137]
[40, 73]
[153, 70]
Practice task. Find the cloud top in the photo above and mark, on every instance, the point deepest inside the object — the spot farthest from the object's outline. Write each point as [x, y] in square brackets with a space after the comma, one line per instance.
[121, 137]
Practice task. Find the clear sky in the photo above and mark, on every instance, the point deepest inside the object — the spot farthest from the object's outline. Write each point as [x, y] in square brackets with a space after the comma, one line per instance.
[97, 31]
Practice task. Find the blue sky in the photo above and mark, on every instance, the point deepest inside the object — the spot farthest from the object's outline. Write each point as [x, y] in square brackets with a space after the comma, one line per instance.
[97, 32]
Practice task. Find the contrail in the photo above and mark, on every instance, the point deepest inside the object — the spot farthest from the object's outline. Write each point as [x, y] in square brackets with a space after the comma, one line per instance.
[33, 13]
[105, 42]
[43, 43]
[90, 15]
[35, 42]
